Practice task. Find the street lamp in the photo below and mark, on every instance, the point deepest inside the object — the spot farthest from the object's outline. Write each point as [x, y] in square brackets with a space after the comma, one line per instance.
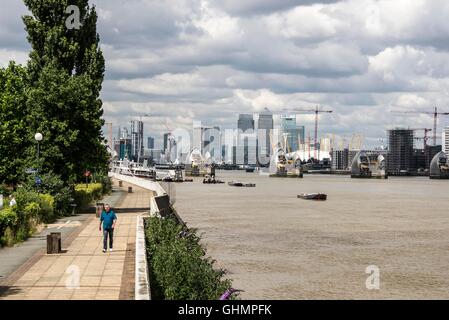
[38, 137]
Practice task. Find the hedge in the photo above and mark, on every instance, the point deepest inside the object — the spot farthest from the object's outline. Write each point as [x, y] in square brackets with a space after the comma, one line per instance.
[179, 268]
[84, 196]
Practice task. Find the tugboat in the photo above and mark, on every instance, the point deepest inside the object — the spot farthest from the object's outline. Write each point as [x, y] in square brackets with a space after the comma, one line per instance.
[241, 184]
[250, 168]
[211, 180]
[313, 196]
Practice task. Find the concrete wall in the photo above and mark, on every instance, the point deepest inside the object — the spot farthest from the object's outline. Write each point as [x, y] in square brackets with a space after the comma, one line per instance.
[142, 282]
[143, 183]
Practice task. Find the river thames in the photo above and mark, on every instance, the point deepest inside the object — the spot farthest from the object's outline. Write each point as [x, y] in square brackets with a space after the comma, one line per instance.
[276, 246]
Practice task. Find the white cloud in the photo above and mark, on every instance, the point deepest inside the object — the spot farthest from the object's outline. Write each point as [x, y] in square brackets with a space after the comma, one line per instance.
[7, 55]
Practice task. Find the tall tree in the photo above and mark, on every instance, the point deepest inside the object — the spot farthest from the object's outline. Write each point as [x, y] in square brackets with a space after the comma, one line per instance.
[66, 71]
[14, 133]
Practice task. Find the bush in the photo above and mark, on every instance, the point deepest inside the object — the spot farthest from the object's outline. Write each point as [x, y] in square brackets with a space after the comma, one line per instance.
[46, 208]
[33, 208]
[84, 196]
[17, 223]
[4, 190]
[27, 210]
[8, 220]
[179, 268]
[105, 181]
[53, 185]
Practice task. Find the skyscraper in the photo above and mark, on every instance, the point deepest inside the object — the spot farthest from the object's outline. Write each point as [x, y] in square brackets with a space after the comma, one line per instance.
[208, 139]
[400, 142]
[166, 136]
[292, 133]
[245, 122]
[246, 141]
[265, 126]
[137, 139]
[150, 143]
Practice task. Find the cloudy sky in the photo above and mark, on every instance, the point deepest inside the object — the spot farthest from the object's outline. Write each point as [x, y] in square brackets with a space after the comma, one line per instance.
[208, 60]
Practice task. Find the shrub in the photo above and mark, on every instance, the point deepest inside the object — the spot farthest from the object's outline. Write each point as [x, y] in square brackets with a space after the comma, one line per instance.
[105, 182]
[53, 185]
[4, 190]
[27, 210]
[20, 220]
[46, 208]
[85, 195]
[103, 178]
[30, 218]
[179, 268]
[7, 221]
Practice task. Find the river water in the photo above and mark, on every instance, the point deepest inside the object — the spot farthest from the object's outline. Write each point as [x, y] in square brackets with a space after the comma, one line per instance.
[276, 246]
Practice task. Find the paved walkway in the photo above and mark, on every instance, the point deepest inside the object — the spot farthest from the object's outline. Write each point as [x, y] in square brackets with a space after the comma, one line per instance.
[83, 271]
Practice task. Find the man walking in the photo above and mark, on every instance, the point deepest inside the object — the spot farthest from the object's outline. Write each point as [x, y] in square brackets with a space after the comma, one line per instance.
[108, 218]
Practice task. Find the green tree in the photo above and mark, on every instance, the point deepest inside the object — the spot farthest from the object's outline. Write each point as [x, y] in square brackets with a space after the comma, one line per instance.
[66, 71]
[14, 133]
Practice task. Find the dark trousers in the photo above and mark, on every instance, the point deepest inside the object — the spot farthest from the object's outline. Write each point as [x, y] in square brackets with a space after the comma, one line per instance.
[108, 232]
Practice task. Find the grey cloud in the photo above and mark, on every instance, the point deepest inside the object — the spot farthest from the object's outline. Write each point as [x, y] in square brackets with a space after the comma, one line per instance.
[12, 33]
[257, 7]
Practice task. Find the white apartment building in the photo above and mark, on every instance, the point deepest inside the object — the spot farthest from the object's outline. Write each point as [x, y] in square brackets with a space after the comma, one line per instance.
[445, 142]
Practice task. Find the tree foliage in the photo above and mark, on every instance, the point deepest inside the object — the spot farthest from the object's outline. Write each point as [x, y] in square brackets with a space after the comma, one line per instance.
[57, 94]
[14, 134]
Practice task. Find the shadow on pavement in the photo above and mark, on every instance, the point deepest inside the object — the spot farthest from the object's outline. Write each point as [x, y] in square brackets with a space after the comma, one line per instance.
[6, 291]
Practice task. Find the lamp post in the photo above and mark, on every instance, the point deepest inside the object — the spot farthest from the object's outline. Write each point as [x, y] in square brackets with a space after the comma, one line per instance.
[38, 137]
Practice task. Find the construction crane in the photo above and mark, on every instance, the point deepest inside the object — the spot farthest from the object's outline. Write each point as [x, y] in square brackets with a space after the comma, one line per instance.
[435, 114]
[317, 111]
[425, 138]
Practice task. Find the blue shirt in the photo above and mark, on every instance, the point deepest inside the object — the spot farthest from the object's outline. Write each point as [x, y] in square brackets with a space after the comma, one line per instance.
[108, 219]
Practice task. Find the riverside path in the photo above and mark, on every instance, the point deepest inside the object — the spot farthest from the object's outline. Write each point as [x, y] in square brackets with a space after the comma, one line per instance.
[83, 271]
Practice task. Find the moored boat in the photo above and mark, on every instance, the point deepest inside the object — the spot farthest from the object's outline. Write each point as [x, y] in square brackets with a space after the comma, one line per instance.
[312, 196]
[250, 168]
[211, 180]
[240, 184]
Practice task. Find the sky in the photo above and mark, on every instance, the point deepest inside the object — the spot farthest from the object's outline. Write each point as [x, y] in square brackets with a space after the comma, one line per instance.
[209, 60]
